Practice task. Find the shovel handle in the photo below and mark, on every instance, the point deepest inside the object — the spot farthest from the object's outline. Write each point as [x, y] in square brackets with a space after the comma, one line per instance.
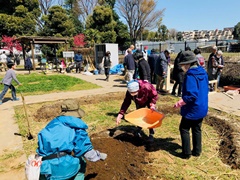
[25, 110]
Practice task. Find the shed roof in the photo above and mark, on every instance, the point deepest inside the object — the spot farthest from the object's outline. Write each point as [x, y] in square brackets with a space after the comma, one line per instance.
[42, 40]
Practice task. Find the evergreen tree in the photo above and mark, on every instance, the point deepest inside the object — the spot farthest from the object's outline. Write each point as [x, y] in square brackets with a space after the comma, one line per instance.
[57, 23]
[19, 17]
[102, 20]
[236, 32]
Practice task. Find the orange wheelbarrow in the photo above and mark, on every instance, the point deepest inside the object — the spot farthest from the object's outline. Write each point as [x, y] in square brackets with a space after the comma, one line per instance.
[145, 118]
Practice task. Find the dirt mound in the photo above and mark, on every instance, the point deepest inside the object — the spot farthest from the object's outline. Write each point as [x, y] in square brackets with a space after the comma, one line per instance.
[47, 112]
[126, 156]
[228, 143]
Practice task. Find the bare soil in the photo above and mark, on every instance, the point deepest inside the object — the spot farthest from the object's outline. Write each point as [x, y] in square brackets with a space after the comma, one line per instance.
[129, 154]
[228, 131]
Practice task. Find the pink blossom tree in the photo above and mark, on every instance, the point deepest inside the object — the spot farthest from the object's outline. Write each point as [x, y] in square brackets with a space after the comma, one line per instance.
[10, 43]
[79, 41]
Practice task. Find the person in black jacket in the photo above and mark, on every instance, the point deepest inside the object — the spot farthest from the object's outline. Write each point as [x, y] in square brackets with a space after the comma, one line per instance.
[152, 58]
[178, 75]
[143, 67]
[107, 64]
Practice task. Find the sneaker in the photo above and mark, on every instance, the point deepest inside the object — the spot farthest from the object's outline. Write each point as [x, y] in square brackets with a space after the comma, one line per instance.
[150, 139]
[173, 94]
[185, 156]
[195, 154]
[16, 99]
[162, 92]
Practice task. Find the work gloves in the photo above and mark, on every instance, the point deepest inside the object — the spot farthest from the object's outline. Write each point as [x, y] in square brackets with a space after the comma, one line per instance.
[152, 106]
[119, 117]
[103, 156]
[95, 155]
[179, 104]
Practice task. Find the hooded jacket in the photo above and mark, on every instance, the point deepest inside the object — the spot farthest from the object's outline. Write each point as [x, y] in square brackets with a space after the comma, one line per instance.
[161, 65]
[63, 134]
[144, 70]
[195, 93]
[146, 94]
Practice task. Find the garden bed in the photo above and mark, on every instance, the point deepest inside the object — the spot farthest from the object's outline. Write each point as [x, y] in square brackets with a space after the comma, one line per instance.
[132, 158]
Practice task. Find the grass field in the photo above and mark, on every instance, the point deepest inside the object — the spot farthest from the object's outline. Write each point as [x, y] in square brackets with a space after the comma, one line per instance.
[35, 84]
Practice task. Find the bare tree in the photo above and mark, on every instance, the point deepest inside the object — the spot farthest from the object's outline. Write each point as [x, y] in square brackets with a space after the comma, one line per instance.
[86, 7]
[45, 5]
[172, 33]
[139, 15]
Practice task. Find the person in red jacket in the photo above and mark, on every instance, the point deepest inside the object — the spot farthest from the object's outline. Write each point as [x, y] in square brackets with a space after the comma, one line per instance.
[143, 94]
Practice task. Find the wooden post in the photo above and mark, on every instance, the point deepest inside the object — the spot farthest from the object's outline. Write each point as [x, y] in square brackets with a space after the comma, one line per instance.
[24, 53]
[66, 46]
[167, 80]
[32, 49]
[214, 84]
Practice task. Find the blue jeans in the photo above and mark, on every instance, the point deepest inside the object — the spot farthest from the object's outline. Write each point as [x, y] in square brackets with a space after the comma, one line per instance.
[5, 89]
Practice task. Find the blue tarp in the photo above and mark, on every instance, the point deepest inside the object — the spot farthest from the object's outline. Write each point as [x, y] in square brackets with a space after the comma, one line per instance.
[118, 69]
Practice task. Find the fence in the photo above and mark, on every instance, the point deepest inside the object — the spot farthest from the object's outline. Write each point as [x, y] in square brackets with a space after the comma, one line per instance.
[205, 46]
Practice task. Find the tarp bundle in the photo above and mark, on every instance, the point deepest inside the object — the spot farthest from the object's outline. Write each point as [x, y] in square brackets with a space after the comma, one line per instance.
[118, 69]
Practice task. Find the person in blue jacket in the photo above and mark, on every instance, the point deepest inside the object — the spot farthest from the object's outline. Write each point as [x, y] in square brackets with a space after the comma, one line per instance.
[78, 59]
[64, 145]
[194, 104]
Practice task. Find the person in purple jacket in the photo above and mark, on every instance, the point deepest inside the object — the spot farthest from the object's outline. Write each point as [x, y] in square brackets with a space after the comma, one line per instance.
[143, 94]
[194, 104]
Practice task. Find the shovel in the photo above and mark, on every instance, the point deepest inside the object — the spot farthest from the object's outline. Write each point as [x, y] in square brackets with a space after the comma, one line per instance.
[29, 135]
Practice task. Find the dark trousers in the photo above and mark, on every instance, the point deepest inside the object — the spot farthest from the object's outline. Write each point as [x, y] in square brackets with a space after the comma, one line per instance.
[184, 128]
[107, 72]
[5, 89]
[78, 66]
[179, 84]
[153, 77]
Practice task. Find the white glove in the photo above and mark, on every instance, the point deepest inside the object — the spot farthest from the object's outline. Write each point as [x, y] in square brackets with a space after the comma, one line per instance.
[103, 156]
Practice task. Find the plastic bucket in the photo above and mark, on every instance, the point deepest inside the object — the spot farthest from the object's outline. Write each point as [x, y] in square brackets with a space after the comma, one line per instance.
[95, 72]
[145, 118]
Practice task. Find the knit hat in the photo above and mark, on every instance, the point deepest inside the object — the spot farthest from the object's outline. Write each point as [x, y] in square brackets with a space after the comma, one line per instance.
[187, 57]
[133, 86]
[70, 108]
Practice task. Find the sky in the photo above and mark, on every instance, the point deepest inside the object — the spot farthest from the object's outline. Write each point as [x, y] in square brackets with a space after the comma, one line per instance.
[188, 15]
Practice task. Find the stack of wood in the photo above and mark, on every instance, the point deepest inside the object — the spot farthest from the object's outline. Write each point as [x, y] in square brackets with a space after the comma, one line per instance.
[90, 62]
[88, 56]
